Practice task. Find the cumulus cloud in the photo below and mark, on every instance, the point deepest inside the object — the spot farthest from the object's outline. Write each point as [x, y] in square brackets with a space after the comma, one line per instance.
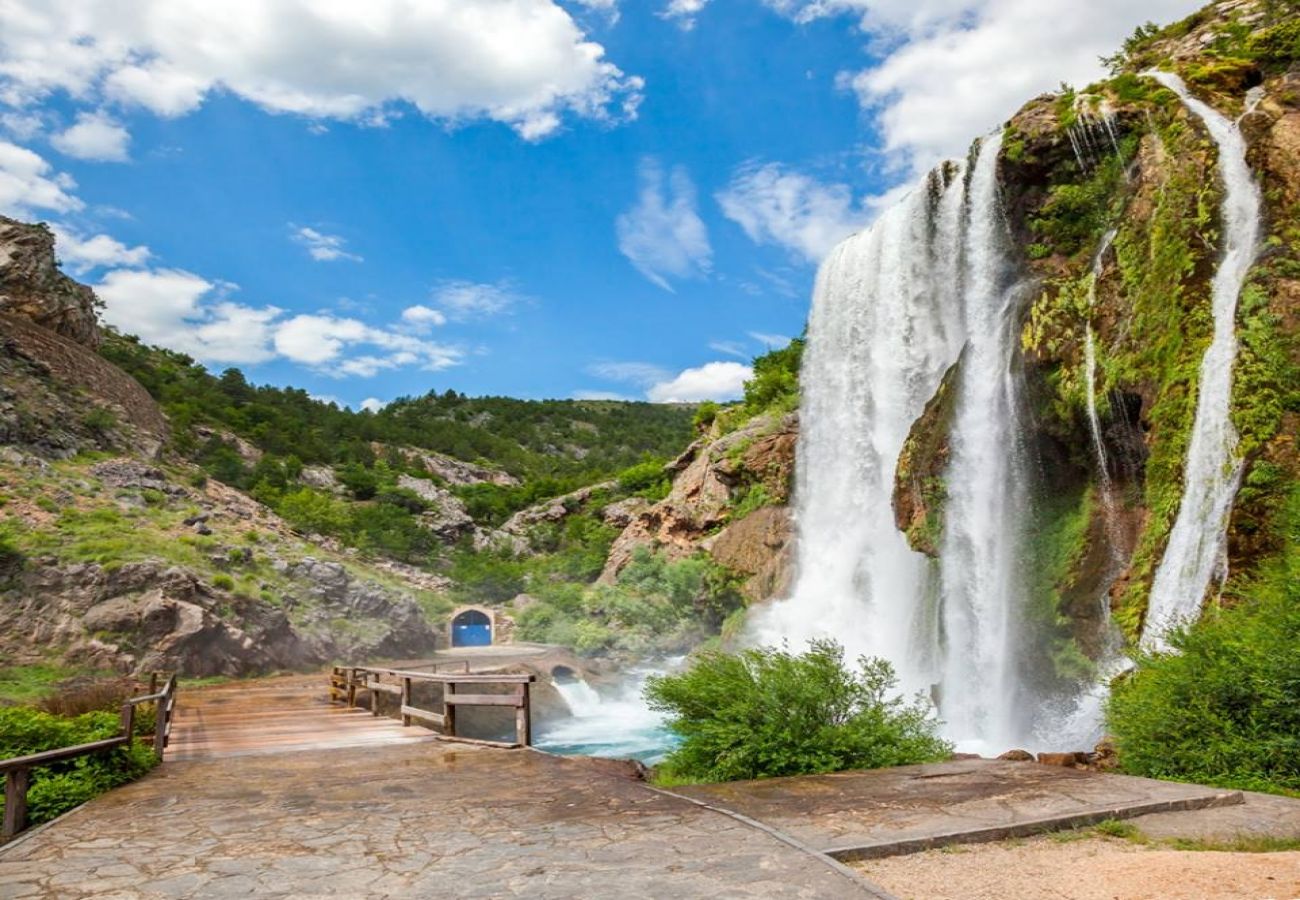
[524, 63]
[775, 205]
[82, 254]
[954, 69]
[464, 300]
[423, 318]
[663, 234]
[600, 395]
[683, 12]
[373, 404]
[189, 313]
[95, 136]
[28, 183]
[711, 381]
[186, 312]
[320, 246]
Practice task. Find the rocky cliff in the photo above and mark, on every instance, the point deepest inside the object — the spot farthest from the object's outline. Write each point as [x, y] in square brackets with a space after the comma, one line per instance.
[1112, 196]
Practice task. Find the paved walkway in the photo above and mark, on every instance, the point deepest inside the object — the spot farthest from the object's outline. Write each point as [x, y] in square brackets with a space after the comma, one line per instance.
[858, 815]
[386, 811]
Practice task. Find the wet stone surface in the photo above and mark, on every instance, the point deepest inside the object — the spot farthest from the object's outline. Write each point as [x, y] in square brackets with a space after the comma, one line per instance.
[410, 820]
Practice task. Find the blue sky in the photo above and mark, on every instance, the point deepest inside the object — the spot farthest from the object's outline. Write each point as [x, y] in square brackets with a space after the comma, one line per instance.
[536, 198]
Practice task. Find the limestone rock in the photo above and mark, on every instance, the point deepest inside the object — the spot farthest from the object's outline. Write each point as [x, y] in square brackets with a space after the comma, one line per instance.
[33, 287]
[553, 510]
[761, 546]
[451, 470]
[320, 477]
[1017, 756]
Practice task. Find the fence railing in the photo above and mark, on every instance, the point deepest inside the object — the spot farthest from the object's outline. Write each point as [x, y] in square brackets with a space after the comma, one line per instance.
[18, 770]
[347, 681]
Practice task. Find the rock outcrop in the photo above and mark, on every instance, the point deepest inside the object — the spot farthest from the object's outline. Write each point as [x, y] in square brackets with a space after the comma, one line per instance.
[710, 478]
[32, 286]
[451, 470]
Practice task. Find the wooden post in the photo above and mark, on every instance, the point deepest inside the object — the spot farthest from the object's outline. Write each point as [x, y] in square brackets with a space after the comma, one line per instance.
[15, 820]
[160, 710]
[373, 679]
[352, 688]
[524, 717]
[448, 710]
[128, 724]
[153, 682]
[406, 700]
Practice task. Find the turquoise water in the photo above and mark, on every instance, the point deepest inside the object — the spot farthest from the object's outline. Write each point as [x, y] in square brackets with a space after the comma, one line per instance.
[615, 724]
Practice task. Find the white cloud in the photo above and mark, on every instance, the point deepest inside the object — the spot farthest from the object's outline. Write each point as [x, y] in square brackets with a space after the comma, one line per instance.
[320, 341]
[94, 136]
[472, 300]
[373, 404]
[322, 247]
[683, 12]
[174, 308]
[82, 254]
[642, 373]
[951, 70]
[770, 341]
[189, 313]
[777, 206]
[663, 234]
[22, 125]
[711, 381]
[423, 318]
[524, 63]
[731, 348]
[28, 183]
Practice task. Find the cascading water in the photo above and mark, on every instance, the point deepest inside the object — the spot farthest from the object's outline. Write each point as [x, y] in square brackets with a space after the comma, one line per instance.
[885, 326]
[1090, 386]
[979, 560]
[619, 724]
[1212, 468]
[893, 308]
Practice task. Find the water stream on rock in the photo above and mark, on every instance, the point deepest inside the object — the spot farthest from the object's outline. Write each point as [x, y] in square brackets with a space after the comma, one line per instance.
[1212, 470]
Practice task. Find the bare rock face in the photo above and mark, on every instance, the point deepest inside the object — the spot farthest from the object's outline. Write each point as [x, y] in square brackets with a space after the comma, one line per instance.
[918, 480]
[708, 478]
[760, 545]
[33, 288]
[448, 468]
[446, 516]
[553, 510]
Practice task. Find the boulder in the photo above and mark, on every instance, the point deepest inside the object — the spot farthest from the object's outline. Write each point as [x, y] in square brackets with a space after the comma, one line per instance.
[1017, 756]
[1067, 760]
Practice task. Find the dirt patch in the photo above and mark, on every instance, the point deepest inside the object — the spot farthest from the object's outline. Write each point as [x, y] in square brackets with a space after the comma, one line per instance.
[1086, 869]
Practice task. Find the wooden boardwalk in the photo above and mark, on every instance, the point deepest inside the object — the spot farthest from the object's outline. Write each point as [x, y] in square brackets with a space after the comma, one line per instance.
[276, 715]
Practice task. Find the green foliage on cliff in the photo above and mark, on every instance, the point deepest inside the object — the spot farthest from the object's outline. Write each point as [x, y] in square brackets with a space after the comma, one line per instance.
[766, 712]
[775, 385]
[59, 787]
[1058, 542]
[1224, 708]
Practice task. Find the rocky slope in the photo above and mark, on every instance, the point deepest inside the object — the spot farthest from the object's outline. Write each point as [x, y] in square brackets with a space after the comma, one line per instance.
[111, 558]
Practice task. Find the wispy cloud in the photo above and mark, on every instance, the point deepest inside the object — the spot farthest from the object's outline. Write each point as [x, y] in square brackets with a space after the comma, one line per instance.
[641, 373]
[663, 234]
[463, 300]
[320, 246]
[775, 205]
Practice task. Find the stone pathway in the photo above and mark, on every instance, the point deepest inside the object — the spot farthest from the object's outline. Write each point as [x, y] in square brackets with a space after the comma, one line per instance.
[417, 819]
[857, 815]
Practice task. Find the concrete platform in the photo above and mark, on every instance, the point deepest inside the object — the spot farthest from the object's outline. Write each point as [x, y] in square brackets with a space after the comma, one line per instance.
[861, 815]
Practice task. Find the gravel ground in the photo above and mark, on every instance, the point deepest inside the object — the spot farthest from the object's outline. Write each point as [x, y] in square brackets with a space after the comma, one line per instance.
[1094, 868]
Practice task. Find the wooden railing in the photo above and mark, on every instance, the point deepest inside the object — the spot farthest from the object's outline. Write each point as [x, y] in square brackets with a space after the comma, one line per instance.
[18, 770]
[346, 681]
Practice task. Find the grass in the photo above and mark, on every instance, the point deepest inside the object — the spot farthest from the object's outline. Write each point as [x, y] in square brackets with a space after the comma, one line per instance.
[24, 685]
[1127, 831]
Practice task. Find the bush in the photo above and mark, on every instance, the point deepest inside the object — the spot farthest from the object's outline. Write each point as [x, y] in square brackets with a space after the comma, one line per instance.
[775, 384]
[766, 712]
[59, 787]
[1224, 708]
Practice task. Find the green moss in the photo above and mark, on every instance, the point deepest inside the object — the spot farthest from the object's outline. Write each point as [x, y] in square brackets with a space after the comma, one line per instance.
[1058, 543]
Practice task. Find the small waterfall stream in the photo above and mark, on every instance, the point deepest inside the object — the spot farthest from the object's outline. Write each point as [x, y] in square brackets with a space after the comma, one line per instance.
[618, 724]
[1104, 485]
[1212, 470]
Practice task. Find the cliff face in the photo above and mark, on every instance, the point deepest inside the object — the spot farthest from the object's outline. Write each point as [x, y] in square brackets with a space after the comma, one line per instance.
[32, 286]
[1112, 197]
[729, 498]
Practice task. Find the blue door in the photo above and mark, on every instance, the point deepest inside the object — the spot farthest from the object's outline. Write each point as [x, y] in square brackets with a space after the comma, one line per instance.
[471, 629]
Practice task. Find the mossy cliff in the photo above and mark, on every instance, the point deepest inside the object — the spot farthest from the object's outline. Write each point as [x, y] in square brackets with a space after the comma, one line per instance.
[1112, 198]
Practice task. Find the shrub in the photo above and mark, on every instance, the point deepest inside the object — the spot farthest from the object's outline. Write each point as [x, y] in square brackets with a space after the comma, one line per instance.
[59, 787]
[775, 384]
[767, 712]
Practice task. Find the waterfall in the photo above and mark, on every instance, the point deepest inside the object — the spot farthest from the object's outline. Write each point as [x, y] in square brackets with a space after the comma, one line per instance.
[1090, 386]
[893, 308]
[979, 562]
[885, 326]
[1212, 468]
